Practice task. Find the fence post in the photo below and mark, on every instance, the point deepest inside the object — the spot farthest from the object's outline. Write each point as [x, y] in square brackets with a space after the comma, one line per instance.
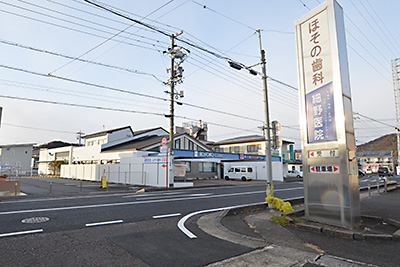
[119, 174]
[129, 173]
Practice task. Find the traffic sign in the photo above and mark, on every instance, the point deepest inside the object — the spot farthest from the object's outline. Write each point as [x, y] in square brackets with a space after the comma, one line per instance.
[164, 141]
[325, 169]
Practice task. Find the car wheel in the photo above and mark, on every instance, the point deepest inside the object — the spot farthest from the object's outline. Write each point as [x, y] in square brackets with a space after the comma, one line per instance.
[227, 178]
[243, 178]
[298, 176]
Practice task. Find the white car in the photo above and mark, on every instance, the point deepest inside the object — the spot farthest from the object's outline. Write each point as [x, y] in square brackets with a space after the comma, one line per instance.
[295, 174]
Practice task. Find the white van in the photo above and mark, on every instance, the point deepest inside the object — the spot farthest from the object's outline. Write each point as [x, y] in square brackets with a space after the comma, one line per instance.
[239, 172]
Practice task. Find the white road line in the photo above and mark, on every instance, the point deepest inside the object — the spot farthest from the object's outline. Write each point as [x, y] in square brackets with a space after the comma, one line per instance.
[103, 223]
[166, 215]
[137, 202]
[165, 197]
[22, 233]
[181, 223]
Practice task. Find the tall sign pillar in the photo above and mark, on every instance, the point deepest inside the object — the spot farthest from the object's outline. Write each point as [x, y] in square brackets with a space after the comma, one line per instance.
[331, 193]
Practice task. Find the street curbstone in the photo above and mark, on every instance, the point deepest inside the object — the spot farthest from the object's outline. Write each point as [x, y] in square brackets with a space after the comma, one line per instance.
[309, 227]
[396, 236]
[338, 233]
[393, 222]
[376, 237]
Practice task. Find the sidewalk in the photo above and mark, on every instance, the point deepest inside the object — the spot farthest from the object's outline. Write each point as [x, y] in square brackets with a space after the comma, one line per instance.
[377, 244]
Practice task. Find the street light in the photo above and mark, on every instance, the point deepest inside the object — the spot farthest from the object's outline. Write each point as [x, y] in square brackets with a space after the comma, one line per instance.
[266, 127]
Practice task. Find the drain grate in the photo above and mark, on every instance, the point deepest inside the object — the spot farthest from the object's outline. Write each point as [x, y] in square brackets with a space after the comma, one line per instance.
[35, 220]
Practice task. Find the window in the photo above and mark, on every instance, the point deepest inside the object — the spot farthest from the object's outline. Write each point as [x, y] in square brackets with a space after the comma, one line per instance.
[191, 145]
[231, 170]
[234, 149]
[253, 148]
[178, 143]
[243, 169]
[237, 169]
[250, 169]
[207, 167]
[188, 166]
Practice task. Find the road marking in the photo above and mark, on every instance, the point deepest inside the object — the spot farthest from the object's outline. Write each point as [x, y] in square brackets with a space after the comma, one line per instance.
[103, 223]
[166, 215]
[165, 197]
[139, 202]
[22, 233]
[181, 223]
[152, 194]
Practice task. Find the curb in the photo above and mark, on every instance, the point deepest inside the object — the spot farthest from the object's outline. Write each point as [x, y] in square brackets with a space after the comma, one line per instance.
[349, 234]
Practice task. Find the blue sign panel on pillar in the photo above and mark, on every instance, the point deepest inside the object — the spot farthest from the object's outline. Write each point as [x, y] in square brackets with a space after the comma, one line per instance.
[321, 125]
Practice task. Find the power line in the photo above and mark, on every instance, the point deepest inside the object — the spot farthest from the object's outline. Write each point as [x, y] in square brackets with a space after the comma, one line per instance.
[237, 21]
[80, 31]
[110, 38]
[110, 109]
[34, 128]
[79, 105]
[79, 59]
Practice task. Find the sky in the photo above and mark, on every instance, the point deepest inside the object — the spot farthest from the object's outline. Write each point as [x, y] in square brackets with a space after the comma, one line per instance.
[68, 66]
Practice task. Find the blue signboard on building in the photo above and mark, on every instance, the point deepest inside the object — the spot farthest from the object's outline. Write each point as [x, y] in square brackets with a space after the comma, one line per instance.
[321, 125]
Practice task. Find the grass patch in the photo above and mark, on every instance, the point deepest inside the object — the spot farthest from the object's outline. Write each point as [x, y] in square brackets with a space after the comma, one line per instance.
[283, 220]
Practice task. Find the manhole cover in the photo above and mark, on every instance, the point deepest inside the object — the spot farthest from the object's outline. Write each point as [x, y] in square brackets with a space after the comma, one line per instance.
[35, 220]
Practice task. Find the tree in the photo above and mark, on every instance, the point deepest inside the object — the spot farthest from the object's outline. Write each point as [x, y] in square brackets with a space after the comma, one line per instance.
[55, 166]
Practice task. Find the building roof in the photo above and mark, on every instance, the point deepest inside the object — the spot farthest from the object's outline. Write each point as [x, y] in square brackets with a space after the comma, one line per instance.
[375, 154]
[241, 139]
[102, 133]
[136, 144]
[147, 142]
[17, 145]
[245, 139]
[149, 130]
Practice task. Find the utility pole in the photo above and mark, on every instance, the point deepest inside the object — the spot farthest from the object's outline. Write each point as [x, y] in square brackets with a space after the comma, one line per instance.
[266, 126]
[396, 87]
[175, 73]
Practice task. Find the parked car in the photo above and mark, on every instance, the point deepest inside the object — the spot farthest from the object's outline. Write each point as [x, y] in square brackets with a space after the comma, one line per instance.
[368, 171]
[240, 172]
[384, 171]
[295, 174]
[361, 172]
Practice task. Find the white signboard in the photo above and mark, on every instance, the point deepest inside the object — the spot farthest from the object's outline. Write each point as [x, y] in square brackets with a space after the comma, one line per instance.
[323, 153]
[326, 120]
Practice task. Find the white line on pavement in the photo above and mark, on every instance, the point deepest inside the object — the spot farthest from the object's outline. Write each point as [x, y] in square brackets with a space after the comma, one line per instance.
[22, 233]
[181, 223]
[103, 223]
[166, 215]
[138, 202]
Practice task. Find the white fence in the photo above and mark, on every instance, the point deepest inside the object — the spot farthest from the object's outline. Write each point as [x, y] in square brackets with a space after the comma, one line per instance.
[132, 173]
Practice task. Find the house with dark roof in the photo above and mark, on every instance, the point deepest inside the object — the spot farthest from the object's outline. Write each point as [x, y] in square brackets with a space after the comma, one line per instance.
[120, 154]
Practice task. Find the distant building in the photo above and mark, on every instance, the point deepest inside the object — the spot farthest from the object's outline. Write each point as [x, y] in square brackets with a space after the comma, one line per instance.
[256, 145]
[198, 131]
[375, 159]
[16, 157]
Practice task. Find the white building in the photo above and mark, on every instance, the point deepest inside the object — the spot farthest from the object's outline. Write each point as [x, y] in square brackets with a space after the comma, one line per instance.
[16, 157]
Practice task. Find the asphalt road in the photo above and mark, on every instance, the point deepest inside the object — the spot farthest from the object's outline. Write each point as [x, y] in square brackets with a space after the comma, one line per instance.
[139, 227]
